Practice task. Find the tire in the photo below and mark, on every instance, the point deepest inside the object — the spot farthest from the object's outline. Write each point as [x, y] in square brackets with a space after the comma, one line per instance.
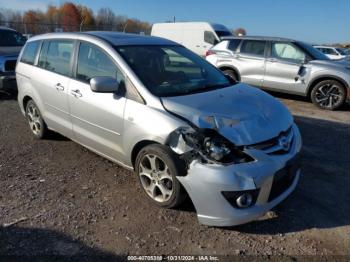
[328, 94]
[160, 186]
[35, 120]
[231, 74]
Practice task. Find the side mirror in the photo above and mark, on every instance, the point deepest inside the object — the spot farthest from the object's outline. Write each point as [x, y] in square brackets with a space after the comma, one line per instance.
[104, 84]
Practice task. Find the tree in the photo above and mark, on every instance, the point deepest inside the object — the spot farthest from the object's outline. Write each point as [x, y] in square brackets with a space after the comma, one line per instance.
[2, 17]
[32, 20]
[240, 32]
[70, 17]
[52, 14]
[87, 19]
[105, 19]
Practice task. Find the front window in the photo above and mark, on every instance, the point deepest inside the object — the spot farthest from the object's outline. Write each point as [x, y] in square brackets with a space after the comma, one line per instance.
[343, 51]
[11, 38]
[313, 53]
[287, 51]
[172, 70]
[210, 38]
[93, 62]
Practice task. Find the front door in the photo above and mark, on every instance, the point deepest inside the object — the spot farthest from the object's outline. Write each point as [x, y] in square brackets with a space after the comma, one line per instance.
[284, 68]
[98, 118]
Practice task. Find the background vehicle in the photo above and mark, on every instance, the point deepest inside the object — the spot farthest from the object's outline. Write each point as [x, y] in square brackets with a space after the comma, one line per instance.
[11, 43]
[125, 98]
[334, 53]
[196, 36]
[284, 65]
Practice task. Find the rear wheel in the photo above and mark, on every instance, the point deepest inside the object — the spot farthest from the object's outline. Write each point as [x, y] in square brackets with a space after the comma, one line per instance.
[328, 94]
[157, 167]
[35, 120]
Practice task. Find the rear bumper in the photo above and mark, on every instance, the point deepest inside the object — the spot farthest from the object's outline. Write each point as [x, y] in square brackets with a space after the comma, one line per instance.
[8, 81]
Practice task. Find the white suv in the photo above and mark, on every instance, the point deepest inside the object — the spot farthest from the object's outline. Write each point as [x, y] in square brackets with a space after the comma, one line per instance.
[284, 65]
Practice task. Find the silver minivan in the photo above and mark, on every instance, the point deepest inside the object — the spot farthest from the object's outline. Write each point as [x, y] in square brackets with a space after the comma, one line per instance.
[284, 65]
[155, 107]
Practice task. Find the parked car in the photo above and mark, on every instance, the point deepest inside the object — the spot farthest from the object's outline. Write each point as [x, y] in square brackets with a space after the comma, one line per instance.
[196, 36]
[123, 97]
[284, 65]
[334, 53]
[11, 43]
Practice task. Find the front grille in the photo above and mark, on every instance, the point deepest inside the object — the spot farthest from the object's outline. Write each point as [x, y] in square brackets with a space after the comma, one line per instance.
[10, 65]
[284, 178]
[278, 145]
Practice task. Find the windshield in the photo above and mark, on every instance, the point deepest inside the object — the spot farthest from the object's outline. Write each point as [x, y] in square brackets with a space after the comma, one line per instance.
[343, 51]
[11, 38]
[223, 33]
[313, 52]
[172, 70]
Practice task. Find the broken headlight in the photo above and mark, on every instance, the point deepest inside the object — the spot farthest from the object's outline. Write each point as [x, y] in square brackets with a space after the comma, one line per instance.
[208, 144]
[216, 149]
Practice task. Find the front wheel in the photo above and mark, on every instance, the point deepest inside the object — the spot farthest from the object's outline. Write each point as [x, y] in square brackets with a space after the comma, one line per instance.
[157, 167]
[328, 94]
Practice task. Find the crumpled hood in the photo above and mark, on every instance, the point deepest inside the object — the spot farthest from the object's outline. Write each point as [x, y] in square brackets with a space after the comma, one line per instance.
[243, 114]
[10, 50]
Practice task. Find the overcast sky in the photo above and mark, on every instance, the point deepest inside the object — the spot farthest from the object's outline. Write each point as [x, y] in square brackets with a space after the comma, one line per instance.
[316, 21]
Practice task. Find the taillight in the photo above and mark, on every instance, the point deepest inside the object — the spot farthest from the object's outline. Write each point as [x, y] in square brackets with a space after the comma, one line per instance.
[209, 52]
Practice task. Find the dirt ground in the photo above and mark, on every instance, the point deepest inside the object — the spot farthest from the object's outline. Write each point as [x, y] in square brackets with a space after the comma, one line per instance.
[64, 200]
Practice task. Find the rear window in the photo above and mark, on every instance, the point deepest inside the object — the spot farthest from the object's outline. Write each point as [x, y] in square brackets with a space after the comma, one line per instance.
[29, 53]
[253, 47]
[233, 44]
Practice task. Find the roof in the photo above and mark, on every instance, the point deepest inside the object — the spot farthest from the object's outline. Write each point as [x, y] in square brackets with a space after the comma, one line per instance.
[266, 38]
[113, 38]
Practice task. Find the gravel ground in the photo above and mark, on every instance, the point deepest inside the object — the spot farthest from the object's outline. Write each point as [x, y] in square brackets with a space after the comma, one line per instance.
[57, 198]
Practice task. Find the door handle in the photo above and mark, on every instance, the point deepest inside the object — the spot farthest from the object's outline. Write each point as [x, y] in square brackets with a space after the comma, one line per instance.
[76, 93]
[59, 87]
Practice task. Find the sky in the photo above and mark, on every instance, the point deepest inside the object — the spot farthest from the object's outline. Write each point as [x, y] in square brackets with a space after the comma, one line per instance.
[315, 21]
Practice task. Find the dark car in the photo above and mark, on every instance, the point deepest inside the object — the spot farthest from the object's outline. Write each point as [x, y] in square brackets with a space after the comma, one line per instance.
[11, 43]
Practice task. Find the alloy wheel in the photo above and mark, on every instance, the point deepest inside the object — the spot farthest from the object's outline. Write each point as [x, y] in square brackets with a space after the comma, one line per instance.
[156, 178]
[328, 95]
[34, 119]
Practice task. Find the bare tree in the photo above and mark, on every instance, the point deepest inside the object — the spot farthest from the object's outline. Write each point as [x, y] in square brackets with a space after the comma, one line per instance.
[105, 19]
[2, 18]
[239, 32]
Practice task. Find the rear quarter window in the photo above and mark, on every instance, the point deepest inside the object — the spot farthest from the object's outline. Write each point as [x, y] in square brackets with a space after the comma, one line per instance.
[233, 44]
[29, 52]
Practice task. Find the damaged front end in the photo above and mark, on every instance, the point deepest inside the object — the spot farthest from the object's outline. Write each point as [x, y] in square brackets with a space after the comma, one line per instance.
[231, 185]
[207, 146]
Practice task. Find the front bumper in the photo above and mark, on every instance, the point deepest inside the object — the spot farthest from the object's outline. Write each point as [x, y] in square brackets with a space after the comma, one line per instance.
[205, 184]
[8, 81]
